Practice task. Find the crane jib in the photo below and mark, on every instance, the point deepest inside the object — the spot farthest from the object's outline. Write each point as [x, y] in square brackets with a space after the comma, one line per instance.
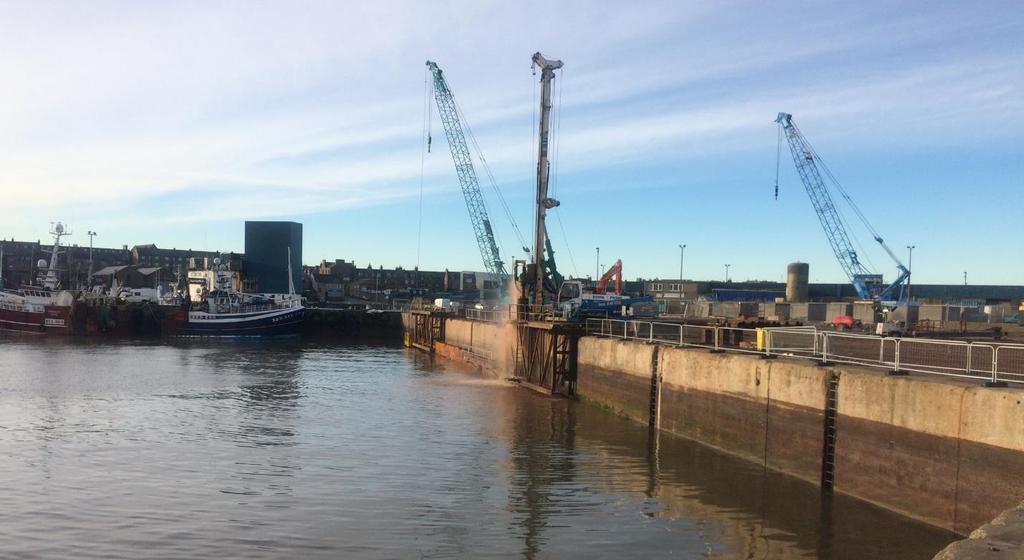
[867, 284]
[468, 181]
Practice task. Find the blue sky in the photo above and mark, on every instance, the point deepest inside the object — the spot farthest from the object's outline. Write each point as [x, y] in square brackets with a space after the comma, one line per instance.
[174, 122]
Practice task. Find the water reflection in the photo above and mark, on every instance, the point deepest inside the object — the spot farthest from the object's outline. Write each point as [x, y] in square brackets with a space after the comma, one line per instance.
[543, 467]
[302, 450]
[733, 507]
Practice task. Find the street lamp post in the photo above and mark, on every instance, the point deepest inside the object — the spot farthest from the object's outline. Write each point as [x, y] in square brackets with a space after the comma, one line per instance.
[910, 267]
[91, 235]
[682, 250]
[727, 272]
[965, 278]
[597, 266]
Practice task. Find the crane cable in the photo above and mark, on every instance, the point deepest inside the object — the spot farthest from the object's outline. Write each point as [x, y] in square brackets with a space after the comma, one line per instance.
[860, 215]
[533, 135]
[558, 144]
[842, 218]
[487, 169]
[424, 147]
[778, 160]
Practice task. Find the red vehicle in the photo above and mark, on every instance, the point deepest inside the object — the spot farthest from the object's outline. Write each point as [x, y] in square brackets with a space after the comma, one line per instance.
[844, 322]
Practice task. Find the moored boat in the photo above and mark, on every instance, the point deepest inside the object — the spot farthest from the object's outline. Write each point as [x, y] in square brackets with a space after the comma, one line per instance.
[226, 312]
[231, 315]
[44, 309]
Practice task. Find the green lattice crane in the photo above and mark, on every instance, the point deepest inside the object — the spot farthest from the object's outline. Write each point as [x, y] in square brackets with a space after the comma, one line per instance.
[449, 113]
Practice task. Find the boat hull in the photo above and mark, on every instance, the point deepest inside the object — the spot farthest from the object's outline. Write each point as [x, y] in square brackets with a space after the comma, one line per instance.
[53, 320]
[278, 322]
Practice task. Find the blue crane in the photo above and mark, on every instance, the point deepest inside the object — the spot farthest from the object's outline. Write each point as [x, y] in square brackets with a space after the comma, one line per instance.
[867, 284]
[449, 113]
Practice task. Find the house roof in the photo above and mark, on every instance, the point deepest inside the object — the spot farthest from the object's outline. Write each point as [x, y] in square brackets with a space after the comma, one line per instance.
[109, 271]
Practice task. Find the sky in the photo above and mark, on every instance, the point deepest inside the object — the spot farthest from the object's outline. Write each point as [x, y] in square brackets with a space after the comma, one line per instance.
[174, 122]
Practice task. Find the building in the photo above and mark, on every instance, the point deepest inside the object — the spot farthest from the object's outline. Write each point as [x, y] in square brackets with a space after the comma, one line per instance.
[19, 262]
[267, 245]
[131, 276]
[670, 293]
[343, 281]
[178, 261]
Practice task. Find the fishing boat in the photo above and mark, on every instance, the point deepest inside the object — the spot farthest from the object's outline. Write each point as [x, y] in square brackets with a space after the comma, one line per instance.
[42, 309]
[221, 310]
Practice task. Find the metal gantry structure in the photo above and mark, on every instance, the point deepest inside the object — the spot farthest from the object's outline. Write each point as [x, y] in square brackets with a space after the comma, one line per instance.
[867, 284]
[544, 266]
[449, 112]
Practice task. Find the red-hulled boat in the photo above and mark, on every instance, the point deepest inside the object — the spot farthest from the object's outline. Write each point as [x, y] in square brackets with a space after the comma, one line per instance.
[42, 309]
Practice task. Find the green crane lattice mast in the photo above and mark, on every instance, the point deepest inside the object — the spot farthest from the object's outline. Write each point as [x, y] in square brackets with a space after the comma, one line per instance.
[449, 113]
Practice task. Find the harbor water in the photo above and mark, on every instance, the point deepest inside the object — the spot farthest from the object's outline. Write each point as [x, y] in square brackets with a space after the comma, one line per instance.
[294, 449]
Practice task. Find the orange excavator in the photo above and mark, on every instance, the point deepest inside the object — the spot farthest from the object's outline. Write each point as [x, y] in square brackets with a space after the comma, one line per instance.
[614, 272]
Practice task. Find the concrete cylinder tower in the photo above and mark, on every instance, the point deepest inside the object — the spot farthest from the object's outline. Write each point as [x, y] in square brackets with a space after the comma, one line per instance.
[797, 275]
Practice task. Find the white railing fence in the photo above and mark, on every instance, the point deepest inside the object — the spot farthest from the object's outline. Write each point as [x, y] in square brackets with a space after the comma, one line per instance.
[995, 363]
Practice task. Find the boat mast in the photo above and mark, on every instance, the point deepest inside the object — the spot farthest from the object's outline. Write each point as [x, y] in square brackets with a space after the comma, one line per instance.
[51, 281]
[291, 281]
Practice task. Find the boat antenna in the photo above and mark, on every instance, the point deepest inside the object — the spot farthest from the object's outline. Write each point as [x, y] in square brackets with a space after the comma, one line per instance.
[291, 280]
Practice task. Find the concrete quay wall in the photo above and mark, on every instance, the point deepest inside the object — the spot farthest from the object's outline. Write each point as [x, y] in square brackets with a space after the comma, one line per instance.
[490, 346]
[944, 452]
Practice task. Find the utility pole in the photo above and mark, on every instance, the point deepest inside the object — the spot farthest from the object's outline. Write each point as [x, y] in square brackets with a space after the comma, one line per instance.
[91, 235]
[727, 272]
[597, 264]
[547, 73]
[682, 248]
[910, 267]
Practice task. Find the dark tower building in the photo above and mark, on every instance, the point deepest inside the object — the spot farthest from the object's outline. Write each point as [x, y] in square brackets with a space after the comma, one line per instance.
[266, 256]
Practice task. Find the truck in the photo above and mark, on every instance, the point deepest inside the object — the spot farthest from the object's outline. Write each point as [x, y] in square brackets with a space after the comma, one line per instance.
[575, 304]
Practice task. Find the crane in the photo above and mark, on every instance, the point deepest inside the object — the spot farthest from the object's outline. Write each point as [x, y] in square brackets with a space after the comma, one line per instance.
[544, 267]
[867, 284]
[614, 272]
[449, 113]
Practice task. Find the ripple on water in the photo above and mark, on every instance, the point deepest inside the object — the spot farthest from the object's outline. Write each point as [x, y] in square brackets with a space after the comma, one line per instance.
[307, 450]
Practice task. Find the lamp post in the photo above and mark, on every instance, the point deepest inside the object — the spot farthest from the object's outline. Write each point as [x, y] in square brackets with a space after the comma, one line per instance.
[727, 272]
[682, 250]
[91, 235]
[910, 267]
[597, 266]
[965, 278]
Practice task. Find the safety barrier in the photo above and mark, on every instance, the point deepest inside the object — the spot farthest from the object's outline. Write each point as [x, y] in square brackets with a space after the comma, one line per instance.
[499, 315]
[995, 363]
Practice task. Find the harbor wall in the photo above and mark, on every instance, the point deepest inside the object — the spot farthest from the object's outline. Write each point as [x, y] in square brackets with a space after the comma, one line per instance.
[936, 449]
[487, 345]
[940, 451]
[351, 323]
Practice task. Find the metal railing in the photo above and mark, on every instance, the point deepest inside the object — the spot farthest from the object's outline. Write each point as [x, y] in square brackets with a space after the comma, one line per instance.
[498, 315]
[993, 362]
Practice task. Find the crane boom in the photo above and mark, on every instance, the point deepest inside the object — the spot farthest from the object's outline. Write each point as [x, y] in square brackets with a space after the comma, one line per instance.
[543, 201]
[614, 272]
[867, 284]
[449, 113]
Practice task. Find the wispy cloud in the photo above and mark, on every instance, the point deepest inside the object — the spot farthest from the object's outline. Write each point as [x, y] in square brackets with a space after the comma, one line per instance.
[285, 109]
